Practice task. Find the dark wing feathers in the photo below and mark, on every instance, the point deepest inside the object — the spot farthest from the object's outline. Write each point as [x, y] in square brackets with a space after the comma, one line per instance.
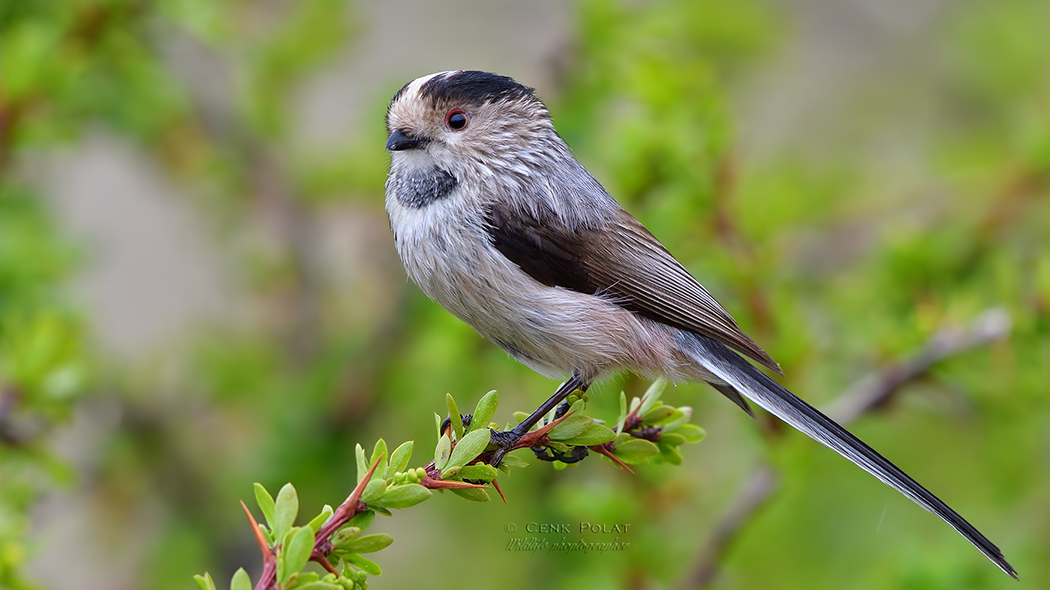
[622, 261]
[553, 261]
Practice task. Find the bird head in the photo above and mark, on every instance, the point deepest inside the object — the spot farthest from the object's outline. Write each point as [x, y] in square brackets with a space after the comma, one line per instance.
[468, 122]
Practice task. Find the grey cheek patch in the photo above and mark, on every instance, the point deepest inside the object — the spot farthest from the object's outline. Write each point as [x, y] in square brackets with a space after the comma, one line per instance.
[419, 189]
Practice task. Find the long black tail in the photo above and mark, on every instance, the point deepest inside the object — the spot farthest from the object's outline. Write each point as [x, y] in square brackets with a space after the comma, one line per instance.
[771, 396]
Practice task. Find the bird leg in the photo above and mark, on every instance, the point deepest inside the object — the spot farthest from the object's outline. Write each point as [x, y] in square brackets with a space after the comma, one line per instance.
[575, 382]
[505, 440]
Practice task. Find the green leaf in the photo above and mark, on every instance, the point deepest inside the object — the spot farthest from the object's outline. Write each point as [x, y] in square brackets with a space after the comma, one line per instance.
[570, 427]
[450, 472]
[403, 496]
[577, 407]
[206, 583]
[636, 451]
[364, 564]
[319, 586]
[660, 414]
[240, 580]
[468, 448]
[399, 459]
[623, 412]
[285, 510]
[635, 404]
[363, 520]
[678, 422]
[319, 520]
[362, 463]
[691, 432]
[512, 460]
[652, 395]
[371, 543]
[373, 491]
[344, 536]
[379, 452]
[559, 446]
[594, 434]
[267, 535]
[484, 411]
[297, 551]
[475, 494]
[303, 578]
[453, 415]
[265, 502]
[670, 454]
[442, 452]
[478, 471]
[671, 439]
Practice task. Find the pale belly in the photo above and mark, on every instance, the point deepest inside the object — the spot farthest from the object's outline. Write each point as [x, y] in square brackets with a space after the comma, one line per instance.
[550, 329]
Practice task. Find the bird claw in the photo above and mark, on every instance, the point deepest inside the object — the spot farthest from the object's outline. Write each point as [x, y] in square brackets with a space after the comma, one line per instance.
[548, 454]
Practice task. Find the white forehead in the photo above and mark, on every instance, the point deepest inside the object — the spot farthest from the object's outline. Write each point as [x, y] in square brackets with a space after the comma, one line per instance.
[415, 86]
[406, 106]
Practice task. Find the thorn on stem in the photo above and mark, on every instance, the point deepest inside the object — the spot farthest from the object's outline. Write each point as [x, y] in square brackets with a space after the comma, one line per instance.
[432, 483]
[535, 437]
[602, 450]
[349, 508]
[495, 484]
[263, 546]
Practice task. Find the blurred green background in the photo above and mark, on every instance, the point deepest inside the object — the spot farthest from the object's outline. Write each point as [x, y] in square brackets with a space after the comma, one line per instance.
[198, 288]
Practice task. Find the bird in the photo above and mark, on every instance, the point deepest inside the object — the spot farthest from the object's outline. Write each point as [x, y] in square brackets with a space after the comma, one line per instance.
[496, 220]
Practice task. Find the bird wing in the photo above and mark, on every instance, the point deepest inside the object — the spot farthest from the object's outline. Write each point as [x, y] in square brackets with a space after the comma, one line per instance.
[622, 261]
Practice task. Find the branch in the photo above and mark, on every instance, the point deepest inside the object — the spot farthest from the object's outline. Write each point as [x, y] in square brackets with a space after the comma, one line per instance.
[753, 494]
[869, 394]
[876, 390]
[8, 399]
[465, 461]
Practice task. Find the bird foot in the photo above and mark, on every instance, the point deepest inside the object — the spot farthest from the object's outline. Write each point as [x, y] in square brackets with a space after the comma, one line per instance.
[520, 437]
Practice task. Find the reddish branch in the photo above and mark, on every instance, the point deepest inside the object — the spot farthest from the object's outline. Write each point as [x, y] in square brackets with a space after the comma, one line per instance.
[350, 508]
[353, 506]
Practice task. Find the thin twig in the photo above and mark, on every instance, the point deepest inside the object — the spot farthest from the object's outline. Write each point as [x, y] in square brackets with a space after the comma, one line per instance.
[875, 390]
[759, 487]
[869, 394]
[10, 434]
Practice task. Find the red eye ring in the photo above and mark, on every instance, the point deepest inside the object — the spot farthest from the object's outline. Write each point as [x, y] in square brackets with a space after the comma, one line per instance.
[456, 120]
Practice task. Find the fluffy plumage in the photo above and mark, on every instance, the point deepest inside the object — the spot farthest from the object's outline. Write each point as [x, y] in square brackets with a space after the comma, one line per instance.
[499, 223]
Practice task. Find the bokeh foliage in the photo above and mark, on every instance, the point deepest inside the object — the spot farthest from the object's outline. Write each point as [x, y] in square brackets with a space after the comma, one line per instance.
[836, 262]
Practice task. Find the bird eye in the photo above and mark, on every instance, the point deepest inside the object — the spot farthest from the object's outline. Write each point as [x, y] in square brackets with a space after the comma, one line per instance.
[456, 120]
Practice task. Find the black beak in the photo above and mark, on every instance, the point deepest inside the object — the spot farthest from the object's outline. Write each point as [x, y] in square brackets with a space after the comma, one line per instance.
[401, 140]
